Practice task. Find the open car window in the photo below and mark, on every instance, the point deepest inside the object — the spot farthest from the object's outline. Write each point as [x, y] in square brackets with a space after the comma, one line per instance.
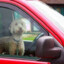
[17, 31]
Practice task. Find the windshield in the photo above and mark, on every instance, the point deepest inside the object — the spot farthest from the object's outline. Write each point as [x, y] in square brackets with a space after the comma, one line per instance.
[56, 18]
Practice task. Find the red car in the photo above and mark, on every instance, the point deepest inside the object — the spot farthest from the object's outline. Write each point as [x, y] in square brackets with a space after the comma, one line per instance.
[44, 36]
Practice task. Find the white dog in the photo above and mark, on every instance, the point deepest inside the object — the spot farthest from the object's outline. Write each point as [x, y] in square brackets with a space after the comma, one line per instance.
[17, 28]
[14, 44]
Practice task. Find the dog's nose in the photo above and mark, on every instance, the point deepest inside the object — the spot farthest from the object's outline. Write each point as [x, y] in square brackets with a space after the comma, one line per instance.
[20, 29]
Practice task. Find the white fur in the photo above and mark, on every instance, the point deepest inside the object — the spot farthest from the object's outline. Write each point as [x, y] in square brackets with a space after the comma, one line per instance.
[15, 27]
[20, 24]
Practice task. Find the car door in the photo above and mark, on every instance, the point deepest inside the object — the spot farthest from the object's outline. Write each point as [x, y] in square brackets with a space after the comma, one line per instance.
[9, 12]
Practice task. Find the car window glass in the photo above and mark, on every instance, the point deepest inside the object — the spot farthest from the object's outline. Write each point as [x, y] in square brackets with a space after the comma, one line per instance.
[17, 27]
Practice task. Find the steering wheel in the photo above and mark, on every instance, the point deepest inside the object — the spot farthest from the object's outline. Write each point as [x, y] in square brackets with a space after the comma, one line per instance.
[32, 47]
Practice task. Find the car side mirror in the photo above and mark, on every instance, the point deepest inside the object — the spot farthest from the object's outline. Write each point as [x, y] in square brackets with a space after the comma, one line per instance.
[45, 48]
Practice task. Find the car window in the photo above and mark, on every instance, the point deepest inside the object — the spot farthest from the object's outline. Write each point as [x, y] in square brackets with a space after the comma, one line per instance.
[15, 29]
[32, 27]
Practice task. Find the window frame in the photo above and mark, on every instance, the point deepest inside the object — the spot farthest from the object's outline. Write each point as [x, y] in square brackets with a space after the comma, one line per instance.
[13, 7]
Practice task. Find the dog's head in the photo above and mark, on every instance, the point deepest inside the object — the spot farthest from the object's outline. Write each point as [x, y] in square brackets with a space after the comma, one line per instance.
[17, 27]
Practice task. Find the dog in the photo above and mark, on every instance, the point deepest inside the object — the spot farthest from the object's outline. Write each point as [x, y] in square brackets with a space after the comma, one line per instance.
[14, 44]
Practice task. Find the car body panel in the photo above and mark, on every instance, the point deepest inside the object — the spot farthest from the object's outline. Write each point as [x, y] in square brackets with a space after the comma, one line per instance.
[17, 61]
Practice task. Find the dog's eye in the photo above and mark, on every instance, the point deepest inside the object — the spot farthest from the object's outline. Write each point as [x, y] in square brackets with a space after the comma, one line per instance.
[15, 23]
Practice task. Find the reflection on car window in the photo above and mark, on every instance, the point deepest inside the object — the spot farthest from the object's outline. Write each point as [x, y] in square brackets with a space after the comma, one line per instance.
[15, 30]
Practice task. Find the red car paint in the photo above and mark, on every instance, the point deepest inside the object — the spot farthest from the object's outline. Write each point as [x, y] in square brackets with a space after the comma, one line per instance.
[43, 22]
[16, 61]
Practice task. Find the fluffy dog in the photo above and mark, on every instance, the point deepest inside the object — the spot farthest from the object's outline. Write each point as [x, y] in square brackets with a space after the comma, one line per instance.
[12, 45]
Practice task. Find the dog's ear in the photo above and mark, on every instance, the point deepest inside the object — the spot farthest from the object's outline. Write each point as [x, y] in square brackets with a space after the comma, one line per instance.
[24, 27]
[23, 20]
[10, 28]
[25, 30]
